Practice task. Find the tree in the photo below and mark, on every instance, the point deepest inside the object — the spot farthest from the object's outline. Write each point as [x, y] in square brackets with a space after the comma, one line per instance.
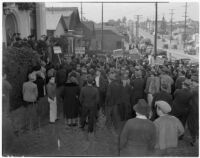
[163, 26]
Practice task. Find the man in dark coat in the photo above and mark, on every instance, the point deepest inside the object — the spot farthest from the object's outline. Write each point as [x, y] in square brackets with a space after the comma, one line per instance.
[89, 98]
[138, 86]
[179, 81]
[193, 117]
[180, 105]
[113, 98]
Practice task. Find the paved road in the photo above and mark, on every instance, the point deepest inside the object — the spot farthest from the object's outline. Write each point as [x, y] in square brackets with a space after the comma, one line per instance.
[178, 54]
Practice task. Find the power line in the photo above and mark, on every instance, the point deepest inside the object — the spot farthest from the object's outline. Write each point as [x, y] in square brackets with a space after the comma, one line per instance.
[172, 13]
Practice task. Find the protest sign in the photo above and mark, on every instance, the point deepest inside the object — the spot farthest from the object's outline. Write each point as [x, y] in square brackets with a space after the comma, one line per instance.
[57, 50]
[80, 50]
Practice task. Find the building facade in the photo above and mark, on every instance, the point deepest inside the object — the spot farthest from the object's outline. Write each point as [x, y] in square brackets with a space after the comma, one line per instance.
[23, 18]
[112, 39]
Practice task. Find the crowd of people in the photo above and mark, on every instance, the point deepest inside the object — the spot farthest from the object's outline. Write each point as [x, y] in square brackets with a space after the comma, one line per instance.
[156, 103]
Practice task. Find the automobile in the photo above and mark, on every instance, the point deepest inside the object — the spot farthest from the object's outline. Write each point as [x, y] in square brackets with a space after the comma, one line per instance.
[184, 61]
[190, 50]
[162, 52]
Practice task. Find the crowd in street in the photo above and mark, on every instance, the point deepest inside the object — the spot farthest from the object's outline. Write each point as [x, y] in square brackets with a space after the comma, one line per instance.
[156, 103]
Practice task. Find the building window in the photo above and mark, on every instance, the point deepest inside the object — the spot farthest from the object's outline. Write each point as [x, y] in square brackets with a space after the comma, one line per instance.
[119, 44]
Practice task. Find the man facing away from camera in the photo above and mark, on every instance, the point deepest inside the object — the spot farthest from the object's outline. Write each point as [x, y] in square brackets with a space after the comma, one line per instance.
[89, 99]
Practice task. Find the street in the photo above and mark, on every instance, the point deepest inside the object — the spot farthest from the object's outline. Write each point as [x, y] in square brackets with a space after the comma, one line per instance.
[178, 54]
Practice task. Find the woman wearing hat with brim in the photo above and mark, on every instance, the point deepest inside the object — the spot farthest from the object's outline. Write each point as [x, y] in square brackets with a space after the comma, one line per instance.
[70, 96]
[138, 136]
[168, 128]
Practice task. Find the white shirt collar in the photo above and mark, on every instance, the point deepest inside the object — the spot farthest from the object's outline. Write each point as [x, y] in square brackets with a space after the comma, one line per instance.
[141, 117]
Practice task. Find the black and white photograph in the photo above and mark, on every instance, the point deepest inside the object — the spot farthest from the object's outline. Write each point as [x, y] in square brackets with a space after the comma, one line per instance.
[100, 78]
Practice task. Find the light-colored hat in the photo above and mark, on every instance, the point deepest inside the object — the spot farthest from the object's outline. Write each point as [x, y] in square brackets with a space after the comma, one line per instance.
[164, 106]
[187, 83]
[32, 77]
[84, 70]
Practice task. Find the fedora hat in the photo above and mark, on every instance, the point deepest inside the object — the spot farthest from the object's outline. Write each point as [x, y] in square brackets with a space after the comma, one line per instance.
[142, 107]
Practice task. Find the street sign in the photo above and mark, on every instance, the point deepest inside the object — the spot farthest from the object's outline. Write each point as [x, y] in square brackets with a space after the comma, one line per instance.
[80, 50]
[134, 56]
[57, 50]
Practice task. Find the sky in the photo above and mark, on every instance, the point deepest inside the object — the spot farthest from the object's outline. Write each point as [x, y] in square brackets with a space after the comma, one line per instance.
[92, 11]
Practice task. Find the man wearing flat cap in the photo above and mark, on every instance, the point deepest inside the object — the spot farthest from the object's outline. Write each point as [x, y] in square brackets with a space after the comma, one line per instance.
[138, 136]
[168, 128]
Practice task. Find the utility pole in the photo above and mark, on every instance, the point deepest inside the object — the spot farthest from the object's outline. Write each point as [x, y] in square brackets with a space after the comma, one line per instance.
[185, 25]
[155, 37]
[102, 30]
[172, 13]
[81, 12]
[132, 30]
[137, 25]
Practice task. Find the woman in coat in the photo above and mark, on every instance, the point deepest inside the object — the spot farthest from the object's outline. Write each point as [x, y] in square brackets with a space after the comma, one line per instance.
[71, 104]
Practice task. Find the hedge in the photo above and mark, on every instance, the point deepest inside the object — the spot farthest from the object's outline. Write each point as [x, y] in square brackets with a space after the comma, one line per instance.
[16, 64]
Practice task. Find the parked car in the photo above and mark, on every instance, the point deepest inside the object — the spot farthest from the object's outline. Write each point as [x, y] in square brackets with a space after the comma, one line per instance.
[190, 50]
[162, 52]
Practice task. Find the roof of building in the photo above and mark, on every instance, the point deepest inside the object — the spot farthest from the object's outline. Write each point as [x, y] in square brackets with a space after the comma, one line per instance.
[88, 24]
[110, 28]
[53, 15]
[52, 24]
